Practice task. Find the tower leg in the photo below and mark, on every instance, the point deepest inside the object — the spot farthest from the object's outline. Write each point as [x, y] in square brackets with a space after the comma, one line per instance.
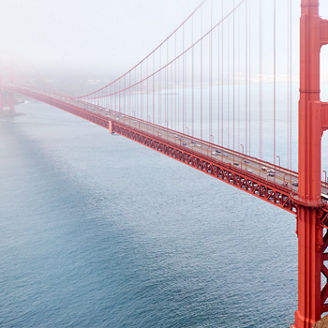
[310, 259]
[309, 230]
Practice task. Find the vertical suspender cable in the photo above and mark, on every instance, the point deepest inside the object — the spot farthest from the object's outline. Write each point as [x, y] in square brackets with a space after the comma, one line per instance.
[246, 77]
[222, 61]
[119, 96]
[175, 83]
[201, 78]
[166, 85]
[260, 81]
[291, 85]
[249, 77]
[178, 94]
[228, 84]
[141, 94]
[288, 86]
[107, 99]
[153, 89]
[134, 90]
[211, 79]
[160, 88]
[172, 93]
[239, 77]
[183, 81]
[233, 80]
[218, 91]
[129, 95]
[192, 79]
[274, 77]
[147, 90]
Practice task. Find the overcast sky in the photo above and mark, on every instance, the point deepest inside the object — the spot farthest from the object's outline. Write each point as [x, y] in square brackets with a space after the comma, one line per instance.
[88, 34]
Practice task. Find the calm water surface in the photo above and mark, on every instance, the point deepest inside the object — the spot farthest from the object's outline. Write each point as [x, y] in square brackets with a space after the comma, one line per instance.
[98, 231]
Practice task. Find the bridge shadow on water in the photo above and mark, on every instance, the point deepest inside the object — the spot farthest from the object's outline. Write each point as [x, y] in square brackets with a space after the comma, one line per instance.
[72, 258]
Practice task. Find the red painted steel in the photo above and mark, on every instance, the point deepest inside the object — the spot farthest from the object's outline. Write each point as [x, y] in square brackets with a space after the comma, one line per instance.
[280, 196]
[311, 242]
[277, 194]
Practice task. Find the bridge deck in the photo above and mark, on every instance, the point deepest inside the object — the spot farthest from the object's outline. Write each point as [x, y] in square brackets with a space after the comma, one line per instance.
[264, 180]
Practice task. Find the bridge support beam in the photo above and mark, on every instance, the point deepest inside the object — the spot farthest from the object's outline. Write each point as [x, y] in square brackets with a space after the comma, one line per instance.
[312, 121]
[309, 233]
[110, 126]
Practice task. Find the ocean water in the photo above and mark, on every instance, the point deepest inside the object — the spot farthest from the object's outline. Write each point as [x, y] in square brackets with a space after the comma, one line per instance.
[98, 231]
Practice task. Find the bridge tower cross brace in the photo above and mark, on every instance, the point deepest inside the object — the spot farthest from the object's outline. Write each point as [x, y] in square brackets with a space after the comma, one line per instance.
[313, 120]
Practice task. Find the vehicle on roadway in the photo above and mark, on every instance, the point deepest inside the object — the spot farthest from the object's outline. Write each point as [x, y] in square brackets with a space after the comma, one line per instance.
[325, 196]
[271, 173]
[216, 152]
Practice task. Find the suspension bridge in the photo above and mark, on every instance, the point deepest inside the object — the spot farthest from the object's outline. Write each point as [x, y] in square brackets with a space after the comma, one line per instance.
[218, 95]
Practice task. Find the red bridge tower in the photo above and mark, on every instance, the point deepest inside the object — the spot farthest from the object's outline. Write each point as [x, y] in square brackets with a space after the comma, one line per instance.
[313, 120]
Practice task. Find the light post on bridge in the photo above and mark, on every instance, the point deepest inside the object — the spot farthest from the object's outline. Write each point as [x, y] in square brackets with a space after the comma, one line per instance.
[167, 126]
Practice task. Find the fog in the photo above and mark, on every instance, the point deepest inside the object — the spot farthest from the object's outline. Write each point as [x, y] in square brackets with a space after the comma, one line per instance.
[84, 35]
[96, 39]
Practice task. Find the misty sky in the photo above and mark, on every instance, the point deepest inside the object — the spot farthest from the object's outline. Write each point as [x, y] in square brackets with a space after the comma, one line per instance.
[86, 34]
[110, 35]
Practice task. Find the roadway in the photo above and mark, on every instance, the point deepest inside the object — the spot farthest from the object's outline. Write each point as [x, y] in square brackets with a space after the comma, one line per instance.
[251, 166]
